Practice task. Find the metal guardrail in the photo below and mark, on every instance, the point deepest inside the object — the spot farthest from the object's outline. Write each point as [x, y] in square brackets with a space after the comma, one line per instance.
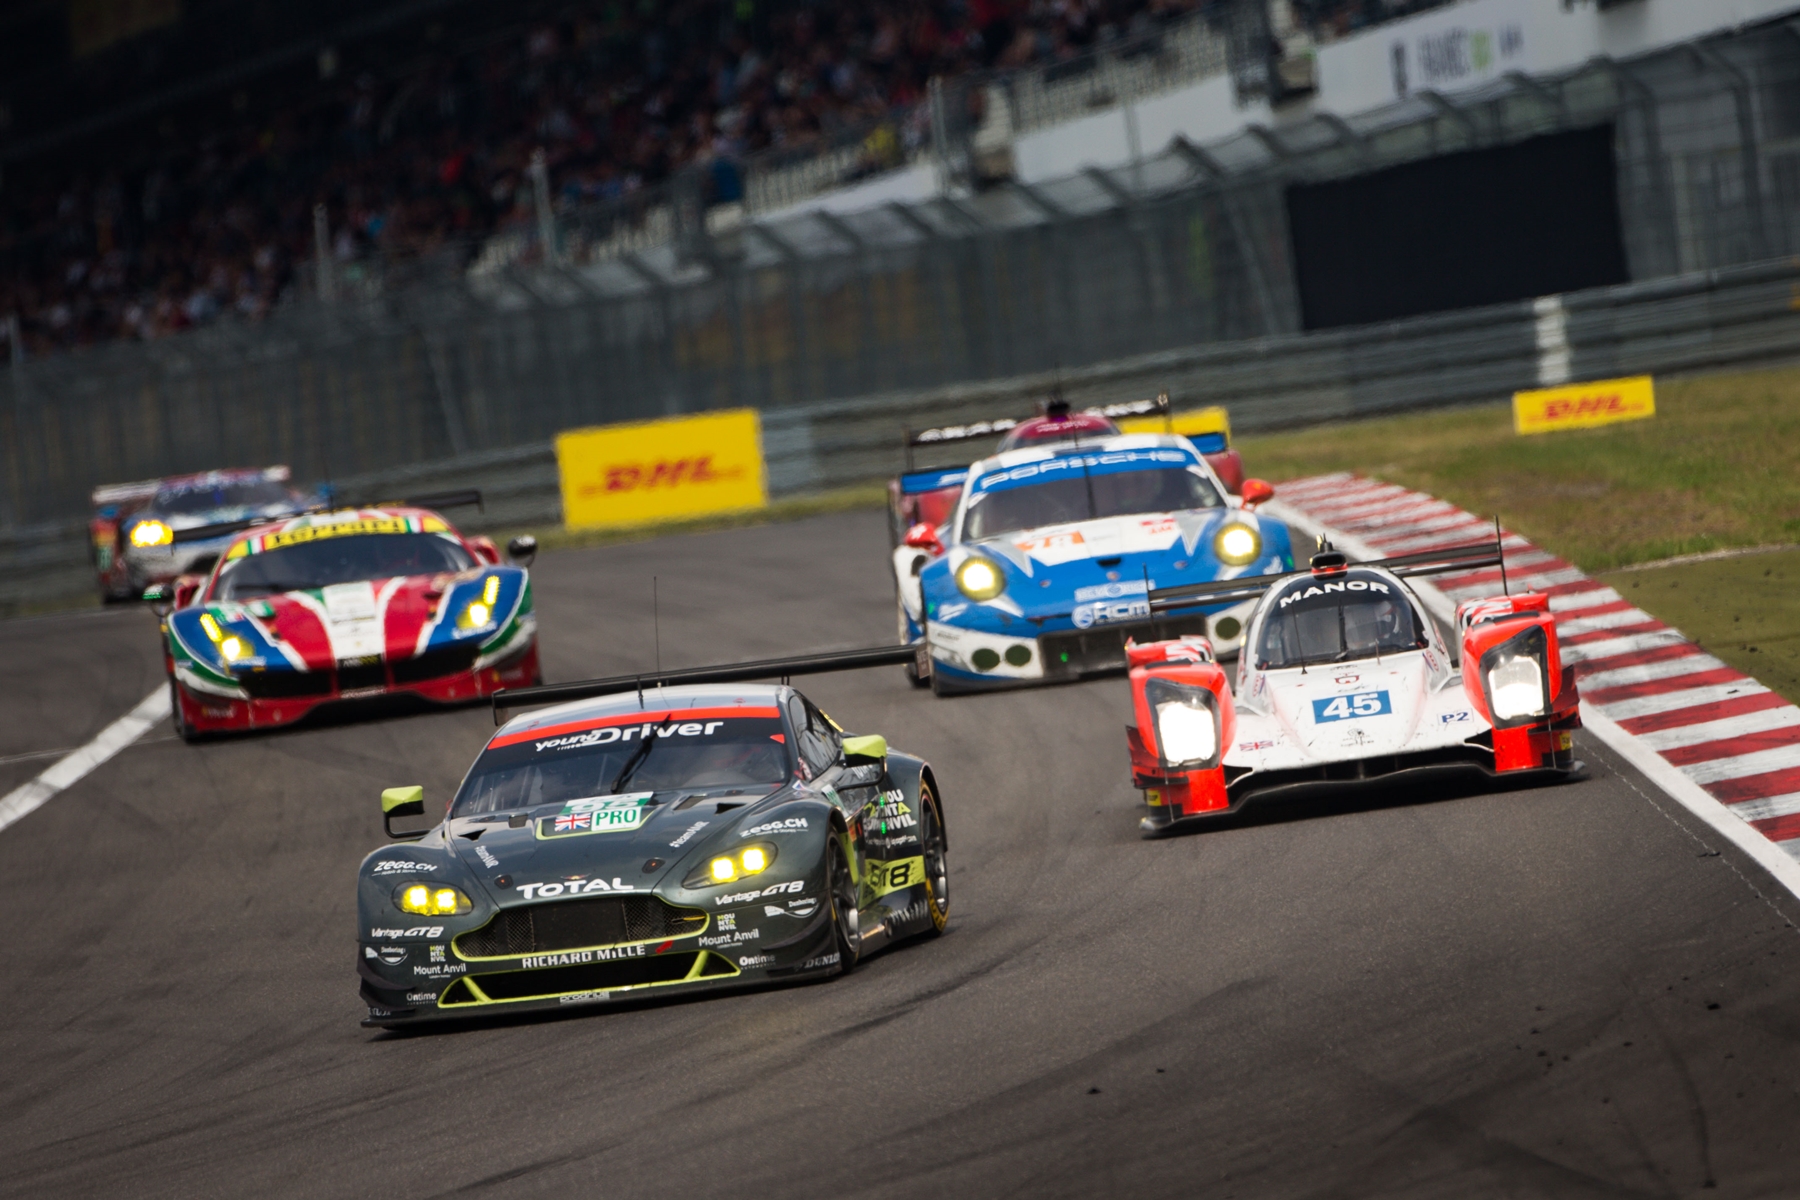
[1736, 317]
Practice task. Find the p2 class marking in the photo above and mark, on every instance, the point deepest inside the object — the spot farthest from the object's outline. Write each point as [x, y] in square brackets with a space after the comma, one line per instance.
[27, 798]
[768, 668]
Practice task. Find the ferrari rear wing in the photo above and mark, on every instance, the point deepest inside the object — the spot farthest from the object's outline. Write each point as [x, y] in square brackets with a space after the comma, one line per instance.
[768, 668]
[944, 434]
[1246, 587]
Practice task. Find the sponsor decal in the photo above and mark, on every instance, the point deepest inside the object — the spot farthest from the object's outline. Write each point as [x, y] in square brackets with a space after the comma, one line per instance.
[1322, 589]
[687, 833]
[1086, 616]
[824, 960]
[891, 843]
[889, 813]
[1062, 465]
[806, 906]
[424, 931]
[608, 734]
[575, 957]
[1601, 403]
[774, 889]
[486, 855]
[1264, 744]
[756, 960]
[1346, 680]
[785, 825]
[393, 956]
[437, 953]
[1351, 707]
[880, 878]
[742, 935]
[400, 866]
[421, 997]
[725, 921]
[1113, 591]
[574, 887]
[572, 822]
[597, 814]
[583, 997]
[1455, 718]
[438, 970]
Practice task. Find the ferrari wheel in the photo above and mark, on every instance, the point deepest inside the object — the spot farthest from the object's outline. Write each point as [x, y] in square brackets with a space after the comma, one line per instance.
[846, 921]
[934, 845]
[183, 730]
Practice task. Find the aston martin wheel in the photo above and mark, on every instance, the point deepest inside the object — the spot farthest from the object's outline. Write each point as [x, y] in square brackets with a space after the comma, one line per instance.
[934, 846]
[846, 921]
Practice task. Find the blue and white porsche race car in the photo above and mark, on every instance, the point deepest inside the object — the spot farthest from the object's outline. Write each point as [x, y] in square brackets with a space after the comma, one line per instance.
[1045, 565]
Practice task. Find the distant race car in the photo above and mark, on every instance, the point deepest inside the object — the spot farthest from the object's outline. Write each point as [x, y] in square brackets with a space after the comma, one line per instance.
[661, 834]
[1345, 678]
[143, 533]
[1040, 573]
[928, 496]
[346, 605]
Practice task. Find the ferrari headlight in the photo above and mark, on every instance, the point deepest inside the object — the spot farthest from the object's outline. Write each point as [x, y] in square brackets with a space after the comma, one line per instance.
[232, 648]
[1517, 687]
[431, 899]
[1187, 724]
[1237, 544]
[979, 579]
[151, 533]
[729, 868]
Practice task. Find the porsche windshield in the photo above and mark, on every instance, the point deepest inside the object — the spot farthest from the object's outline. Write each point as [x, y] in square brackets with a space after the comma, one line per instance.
[243, 493]
[1079, 496]
[306, 565]
[680, 753]
[1327, 622]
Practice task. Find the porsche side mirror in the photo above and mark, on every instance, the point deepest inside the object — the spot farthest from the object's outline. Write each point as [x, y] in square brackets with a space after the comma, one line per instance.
[402, 802]
[1255, 491]
[871, 748]
[923, 537]
[522, 549]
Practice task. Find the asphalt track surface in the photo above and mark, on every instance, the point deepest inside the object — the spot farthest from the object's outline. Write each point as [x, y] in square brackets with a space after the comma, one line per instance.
[1565, 991]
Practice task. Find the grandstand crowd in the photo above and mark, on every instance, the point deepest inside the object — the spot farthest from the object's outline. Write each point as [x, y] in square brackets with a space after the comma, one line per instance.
[433, 155]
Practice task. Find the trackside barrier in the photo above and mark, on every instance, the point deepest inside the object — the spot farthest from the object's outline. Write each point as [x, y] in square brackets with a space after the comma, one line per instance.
[1733, 317]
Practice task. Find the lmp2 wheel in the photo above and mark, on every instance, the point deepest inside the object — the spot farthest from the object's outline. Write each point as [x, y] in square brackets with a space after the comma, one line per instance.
[846, 921]
[934, 846]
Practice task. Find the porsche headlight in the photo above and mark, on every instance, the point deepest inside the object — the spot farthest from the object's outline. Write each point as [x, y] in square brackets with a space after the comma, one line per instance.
[1516, 680]
[1237, 544]
[151, 533]
[1187, 724]
[431, 899]
[980, 579]
[748, 860]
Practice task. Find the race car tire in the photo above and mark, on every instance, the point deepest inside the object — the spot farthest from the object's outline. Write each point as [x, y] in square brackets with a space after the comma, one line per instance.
[840, 892]
[937, 866]
[912, 668]
[183, 730]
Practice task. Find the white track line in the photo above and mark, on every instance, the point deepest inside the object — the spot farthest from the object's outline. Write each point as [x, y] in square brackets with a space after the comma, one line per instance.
[28, 798]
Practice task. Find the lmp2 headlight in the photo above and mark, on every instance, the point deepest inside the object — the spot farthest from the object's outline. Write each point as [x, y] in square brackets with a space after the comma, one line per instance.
[980, 579]
[1237, 544]
[431, 900]
[1187, 724]
[151, 533]
[1516, 679]
[753, 859]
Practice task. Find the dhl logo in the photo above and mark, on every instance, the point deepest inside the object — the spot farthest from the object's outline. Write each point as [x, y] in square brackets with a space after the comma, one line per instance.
[1586, 406]
[1582, 405]
[663, 473]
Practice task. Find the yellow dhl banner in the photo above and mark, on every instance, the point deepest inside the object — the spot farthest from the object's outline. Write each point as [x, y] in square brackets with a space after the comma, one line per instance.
[1582, 404]
[1187, 424]
[649, 471]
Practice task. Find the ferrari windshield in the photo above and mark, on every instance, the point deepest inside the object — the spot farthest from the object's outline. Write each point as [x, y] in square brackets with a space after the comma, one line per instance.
[306, 565]
[1068, 497]
[243, 493]
[1326, 622]
[663, 752]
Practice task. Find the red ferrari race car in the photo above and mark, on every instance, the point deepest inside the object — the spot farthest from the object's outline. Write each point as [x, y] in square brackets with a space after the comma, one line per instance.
[145, 533]
[342, 606]
[928, 496]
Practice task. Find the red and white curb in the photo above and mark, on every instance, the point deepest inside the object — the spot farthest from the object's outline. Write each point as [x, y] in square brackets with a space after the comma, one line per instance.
[1716, 740]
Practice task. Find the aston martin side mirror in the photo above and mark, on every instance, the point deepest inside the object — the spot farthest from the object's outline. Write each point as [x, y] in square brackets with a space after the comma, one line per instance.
[402, 802]
[869, 749]
[522, 549]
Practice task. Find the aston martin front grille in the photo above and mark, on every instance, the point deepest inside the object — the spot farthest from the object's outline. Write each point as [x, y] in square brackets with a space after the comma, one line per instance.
[579, 924]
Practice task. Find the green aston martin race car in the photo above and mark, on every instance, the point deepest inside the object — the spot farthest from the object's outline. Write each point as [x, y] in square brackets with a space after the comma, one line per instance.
[645, 838]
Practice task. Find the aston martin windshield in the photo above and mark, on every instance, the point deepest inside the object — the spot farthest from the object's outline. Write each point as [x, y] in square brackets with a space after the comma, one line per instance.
[1319, 622]
[249, 493]
[330, 560]
[1070, 496]
[684, 751]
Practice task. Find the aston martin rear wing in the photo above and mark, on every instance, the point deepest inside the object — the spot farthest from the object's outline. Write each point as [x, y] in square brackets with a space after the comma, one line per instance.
[946, 434]
[768, 668]
[1246, 587]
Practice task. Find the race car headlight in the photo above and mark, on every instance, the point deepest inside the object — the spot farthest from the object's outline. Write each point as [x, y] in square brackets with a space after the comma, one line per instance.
[1237, 544]
[1187, 724]
[151, 533]
[478, 615]
[753, 859]
[232, 648]
[979, 579]
[1516, 678]
[431, 899]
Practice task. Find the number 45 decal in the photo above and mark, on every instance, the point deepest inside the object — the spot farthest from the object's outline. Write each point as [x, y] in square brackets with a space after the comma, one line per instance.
[1349, 708]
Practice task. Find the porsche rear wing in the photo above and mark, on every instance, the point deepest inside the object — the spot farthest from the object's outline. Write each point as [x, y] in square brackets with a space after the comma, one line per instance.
[1426, 562]
[432, 500]
[945, 434]
[768, 668]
